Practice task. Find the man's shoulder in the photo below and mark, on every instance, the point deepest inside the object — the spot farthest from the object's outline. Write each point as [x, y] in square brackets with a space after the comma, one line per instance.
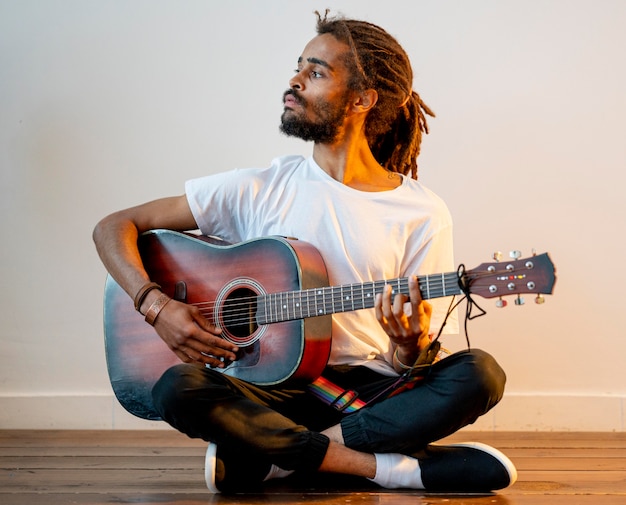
[287, 162]
[279, 165]
[289, 159]
[418, 189]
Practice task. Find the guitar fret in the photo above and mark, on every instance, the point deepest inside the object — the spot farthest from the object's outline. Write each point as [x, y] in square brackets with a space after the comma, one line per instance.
[304, 304]
[357, 293]
[319, 302]
[268, 308]
[371, 294]
[261, 310]
[279, 307]
[342, 299]
[287, 305]
[337, 300]
[353, 306]
[311, 303]
[298, 306]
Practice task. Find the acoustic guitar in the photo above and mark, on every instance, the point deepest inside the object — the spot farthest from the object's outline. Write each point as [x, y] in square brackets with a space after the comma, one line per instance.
[271, 297]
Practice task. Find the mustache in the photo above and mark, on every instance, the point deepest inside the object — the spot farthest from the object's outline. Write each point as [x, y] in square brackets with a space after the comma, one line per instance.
[298, 98]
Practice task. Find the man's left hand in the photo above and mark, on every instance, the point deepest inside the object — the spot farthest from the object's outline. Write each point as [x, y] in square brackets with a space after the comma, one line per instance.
[405, 319]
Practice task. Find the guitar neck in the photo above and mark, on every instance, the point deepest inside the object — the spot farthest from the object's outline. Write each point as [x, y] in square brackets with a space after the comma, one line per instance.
[287, 306]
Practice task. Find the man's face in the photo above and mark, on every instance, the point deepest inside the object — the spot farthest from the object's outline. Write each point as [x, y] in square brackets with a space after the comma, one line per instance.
[316, 105]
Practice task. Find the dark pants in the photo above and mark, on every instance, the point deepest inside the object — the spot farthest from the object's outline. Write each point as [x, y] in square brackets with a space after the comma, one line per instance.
[281, 425]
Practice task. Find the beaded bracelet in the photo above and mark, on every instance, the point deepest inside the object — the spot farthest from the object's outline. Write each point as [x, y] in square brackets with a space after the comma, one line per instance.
[156, 308]
[143, 292]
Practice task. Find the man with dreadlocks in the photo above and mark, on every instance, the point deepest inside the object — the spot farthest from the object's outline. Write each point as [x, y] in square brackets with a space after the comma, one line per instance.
[358, 201]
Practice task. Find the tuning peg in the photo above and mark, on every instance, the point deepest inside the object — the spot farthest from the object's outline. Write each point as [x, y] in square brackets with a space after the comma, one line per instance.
[501, 303]
[497, 255]
[515, 255]
[539, 299]
[519, 300]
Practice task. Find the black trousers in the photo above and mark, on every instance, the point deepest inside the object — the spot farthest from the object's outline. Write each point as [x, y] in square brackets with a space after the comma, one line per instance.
[282, 425]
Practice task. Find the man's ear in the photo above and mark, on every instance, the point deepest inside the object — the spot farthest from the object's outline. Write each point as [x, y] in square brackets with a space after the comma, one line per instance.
[365, 100]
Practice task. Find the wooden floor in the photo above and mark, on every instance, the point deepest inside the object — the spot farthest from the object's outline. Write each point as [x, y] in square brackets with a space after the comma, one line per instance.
[164, 467]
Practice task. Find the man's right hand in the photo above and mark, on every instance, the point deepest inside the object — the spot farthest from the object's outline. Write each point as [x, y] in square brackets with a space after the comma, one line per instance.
[192, 337]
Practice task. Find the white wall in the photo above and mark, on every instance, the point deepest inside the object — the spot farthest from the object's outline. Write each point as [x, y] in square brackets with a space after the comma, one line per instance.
[104, 104]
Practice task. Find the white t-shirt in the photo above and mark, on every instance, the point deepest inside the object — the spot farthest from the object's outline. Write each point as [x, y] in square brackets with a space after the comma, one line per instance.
[362, 236]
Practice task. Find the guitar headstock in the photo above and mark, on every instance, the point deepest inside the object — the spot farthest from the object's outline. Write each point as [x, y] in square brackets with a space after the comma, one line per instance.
[535, 274]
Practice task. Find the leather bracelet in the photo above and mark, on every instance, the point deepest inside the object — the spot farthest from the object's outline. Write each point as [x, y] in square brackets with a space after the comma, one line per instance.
[143, 292]
[156, 307]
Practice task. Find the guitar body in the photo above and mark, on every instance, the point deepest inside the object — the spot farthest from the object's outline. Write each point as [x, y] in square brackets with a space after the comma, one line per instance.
[218, 279]
[271, 297]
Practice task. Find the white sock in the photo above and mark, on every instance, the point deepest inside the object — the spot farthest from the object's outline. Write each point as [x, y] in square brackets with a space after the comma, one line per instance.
[397, 470]
[277, 473]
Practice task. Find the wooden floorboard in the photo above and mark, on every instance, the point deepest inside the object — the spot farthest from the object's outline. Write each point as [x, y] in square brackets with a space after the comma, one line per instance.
[165, 467]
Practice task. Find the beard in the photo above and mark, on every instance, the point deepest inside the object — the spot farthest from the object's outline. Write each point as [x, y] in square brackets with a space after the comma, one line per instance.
[325, 128]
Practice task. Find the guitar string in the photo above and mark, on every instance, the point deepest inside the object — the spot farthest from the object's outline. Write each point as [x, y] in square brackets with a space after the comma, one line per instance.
[337, 292]
[332, 295]
[235, 314]
[242, 309]
[240, 314]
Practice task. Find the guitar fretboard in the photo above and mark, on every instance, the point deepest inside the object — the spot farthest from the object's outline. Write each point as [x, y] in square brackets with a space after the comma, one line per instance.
[290, 305]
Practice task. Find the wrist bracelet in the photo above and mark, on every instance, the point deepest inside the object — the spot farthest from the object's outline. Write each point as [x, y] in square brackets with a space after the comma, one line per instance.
[400, 364]
[156, 308]
[143, 292]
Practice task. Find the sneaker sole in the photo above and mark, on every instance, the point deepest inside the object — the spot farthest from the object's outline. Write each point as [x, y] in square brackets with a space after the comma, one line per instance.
[210, 461]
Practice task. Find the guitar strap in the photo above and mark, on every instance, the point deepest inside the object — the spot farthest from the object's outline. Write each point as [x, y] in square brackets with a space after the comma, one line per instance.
[347, 401]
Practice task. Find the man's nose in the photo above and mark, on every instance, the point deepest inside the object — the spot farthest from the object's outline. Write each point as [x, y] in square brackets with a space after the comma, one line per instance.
[296, 82]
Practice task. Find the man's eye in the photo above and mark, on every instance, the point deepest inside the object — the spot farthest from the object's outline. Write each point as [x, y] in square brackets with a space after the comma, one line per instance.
[313, 73]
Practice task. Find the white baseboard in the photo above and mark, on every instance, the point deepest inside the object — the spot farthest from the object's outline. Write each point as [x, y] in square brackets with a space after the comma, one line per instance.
[95, 412]
[516, 412]
[555, 412]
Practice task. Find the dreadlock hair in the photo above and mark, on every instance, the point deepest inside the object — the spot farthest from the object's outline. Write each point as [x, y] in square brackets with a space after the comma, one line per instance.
[395, 125]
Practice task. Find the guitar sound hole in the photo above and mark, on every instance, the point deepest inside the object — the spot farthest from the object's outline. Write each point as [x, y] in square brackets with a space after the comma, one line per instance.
[239, 315]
